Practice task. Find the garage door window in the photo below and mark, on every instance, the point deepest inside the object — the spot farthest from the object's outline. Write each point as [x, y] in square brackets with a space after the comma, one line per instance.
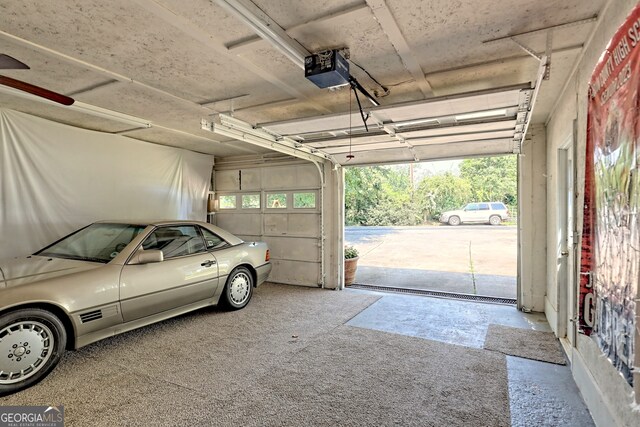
[250, 201]
[228, 202]
[304, 200]
[277, 201]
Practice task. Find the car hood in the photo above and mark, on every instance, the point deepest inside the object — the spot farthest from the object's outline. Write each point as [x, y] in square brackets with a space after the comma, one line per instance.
[22, 271]
[456, 212]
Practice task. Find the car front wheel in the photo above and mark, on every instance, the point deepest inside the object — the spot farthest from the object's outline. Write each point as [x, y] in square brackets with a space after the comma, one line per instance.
[31, 344]
[238, 289]
[495, 220]
[454, 220]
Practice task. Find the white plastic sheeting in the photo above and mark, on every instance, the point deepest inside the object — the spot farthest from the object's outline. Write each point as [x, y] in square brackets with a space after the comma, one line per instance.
[55, 178]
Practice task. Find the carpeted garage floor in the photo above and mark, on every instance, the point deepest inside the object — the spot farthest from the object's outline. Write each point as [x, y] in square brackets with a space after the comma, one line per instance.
[288, 359]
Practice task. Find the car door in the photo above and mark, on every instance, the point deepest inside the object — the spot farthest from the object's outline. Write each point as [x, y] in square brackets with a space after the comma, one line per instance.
[470, 213]
[188, 274]
[226, 255]
[484, 212]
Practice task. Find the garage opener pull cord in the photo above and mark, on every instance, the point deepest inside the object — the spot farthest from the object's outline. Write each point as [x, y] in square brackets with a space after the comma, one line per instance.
[350, 155]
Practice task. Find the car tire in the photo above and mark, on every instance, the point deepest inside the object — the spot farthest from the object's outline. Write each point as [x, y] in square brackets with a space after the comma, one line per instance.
[495, 220]
[238, 289]
[454, 220]
[32, 341]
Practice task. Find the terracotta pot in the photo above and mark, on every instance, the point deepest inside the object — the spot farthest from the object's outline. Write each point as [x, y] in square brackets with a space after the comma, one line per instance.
[350, 266]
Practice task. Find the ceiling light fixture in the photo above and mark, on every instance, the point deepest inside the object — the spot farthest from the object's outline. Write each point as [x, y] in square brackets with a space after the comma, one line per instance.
[415, 122]
[266, 28]
[84, 108]
[481, 114]
[110, 114]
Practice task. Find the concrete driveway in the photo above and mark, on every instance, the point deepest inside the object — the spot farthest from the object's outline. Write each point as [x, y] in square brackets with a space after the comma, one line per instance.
[472, 259]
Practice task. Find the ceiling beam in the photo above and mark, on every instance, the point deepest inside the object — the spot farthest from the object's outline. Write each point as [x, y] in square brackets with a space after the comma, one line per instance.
[544, 29]
[346, 15]
[574, 48]
[390, 27]
[246, 149]
[95, 68]
[187, 27]
[263, 25]
[569, 80]
[280, 103]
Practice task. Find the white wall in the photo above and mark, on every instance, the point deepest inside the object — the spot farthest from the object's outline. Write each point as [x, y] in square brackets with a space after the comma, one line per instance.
[532, 196]
[607, 394]
[55, 178]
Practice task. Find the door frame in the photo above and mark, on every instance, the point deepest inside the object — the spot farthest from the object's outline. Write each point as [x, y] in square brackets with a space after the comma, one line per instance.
[566, 214]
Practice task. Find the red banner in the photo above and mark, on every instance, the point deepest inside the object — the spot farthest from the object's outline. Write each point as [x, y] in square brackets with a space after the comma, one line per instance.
[610, 257]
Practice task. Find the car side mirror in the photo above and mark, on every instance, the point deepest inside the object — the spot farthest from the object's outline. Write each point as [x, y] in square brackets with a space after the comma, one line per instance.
[147, 256]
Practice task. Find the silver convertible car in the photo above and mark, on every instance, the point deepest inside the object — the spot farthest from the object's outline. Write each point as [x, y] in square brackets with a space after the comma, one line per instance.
[111, 277]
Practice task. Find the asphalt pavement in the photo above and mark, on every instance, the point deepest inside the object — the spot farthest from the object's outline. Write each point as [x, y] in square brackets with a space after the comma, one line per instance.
[471, 259]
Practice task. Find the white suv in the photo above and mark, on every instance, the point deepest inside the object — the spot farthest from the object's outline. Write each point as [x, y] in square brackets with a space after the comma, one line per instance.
[492, 212]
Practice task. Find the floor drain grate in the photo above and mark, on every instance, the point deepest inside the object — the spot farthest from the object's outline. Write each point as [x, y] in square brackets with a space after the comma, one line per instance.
[468, 297]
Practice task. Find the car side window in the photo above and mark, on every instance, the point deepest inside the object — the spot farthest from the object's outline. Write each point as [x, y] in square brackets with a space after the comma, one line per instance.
[471, 207]
[175, 241]
[484, 206]
[212, 241]
[498, 207]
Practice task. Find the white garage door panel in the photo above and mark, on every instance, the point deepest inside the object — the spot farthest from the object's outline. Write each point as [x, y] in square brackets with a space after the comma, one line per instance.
[462, 149]
[291, 224]
[304, 224]
[293, 233]
[276, 223]
[290, 177]
[251, 179]
[481, 115]
[240, 223]
[295, 273]
[459, 138]
[364, 147]
[227, 180]
[294, 249]
[466, 129]
[390, 156]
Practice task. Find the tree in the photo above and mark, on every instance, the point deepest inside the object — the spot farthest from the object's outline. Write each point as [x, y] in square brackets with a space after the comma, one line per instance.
[492, 178]
[363, 190]
[379, 195]
[440, 193]
[384, 195]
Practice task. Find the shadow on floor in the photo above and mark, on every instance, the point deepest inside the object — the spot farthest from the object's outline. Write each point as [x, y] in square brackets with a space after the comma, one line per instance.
[485, 284]
[540, 393]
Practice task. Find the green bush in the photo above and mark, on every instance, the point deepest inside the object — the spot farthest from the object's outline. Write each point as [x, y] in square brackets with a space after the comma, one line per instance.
[350, 252]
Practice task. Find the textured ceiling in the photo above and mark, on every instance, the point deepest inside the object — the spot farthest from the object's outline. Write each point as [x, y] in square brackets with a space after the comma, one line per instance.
[173, 62]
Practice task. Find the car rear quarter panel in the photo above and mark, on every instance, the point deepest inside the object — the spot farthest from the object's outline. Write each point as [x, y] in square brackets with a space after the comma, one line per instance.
[247, 253]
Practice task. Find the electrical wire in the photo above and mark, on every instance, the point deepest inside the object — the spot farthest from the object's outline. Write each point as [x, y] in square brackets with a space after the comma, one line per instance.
[402, 82]
[385, 88]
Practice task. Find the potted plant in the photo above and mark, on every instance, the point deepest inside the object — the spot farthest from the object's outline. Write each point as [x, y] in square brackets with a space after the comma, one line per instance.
[350, 264]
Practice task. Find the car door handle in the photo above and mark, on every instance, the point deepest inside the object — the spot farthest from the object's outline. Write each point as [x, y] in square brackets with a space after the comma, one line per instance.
[208, 263]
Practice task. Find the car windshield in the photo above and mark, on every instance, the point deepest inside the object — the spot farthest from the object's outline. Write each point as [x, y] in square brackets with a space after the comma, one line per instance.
[99, 242]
